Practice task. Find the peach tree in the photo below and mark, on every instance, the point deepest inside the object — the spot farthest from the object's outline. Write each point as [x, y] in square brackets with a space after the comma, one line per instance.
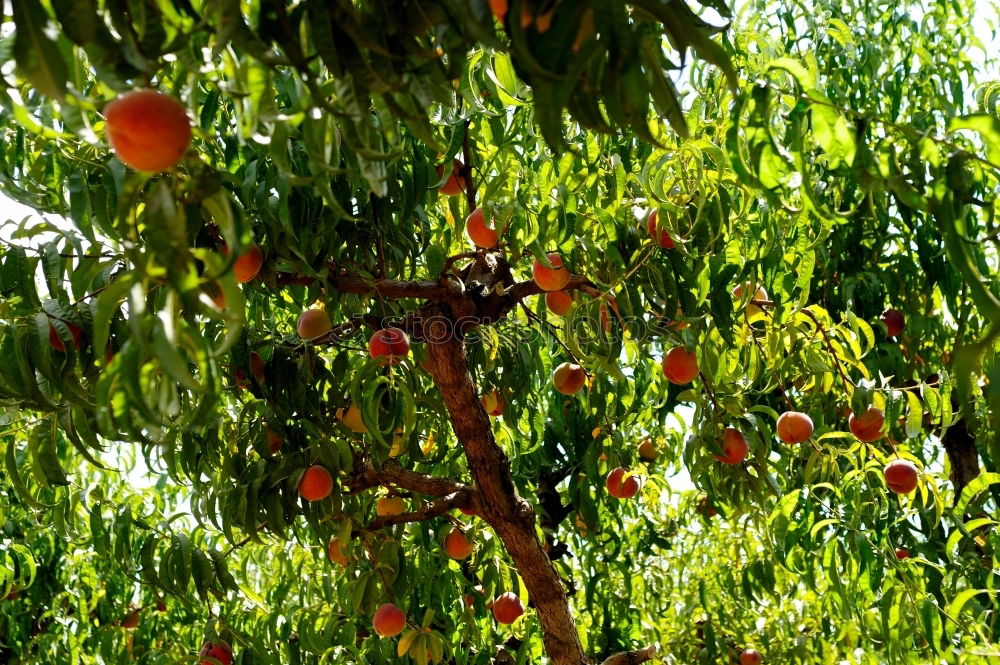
[562, 331]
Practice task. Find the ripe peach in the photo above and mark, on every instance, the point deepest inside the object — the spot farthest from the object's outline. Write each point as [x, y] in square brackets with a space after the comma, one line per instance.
[160, 605]
[647, 450]
[622, 487]
[568, 378]
[507, 608]
[901, 476]
[214, 291]
[351, 419]
[220, 651]
[550, 279]
[499, 9]
[316, 483]
[335, 553]
[257, 366]
[56, 342]
[274, 440]
[390, 343]
[480, 233]
[248, 264]
[734, 447]
[559, 302]
[148, 130]
[389, 620]
[494, 403]
[455, 184]
[749, 657]
[752, 311]
[794, 427]
[456, 545]
[867, 426]
[387, 506]
[706, 508]
[680, 366]
[131, 619]
[902, 553]
[662, 238]
[313, 323]
[893, 320]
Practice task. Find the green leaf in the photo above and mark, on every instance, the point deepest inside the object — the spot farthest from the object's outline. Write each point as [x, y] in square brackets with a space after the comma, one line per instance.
[37, 56]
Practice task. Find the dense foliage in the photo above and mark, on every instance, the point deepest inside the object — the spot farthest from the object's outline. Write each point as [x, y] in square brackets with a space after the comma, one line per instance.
[844, 156]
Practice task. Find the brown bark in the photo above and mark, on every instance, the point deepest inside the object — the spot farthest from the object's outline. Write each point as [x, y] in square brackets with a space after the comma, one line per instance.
[511, 516]
[960, 445]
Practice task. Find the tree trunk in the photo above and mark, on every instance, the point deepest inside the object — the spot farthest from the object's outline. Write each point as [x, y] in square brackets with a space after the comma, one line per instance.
[512, 518]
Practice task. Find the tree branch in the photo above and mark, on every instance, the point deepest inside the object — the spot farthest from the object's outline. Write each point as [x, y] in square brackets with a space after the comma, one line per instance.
[428, 511]
[392, 474]
[631, 657]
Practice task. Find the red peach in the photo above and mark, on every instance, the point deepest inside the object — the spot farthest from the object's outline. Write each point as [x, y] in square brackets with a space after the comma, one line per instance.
[902, 553]
[507, 608]
[662, 238]
[901, 476]
[56, 342]
[893, 320]
[622, 487]
[749, 657]
[455, 184]
[389, 343]
[220, 651]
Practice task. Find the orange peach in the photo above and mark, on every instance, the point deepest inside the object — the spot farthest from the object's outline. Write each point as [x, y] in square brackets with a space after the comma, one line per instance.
[351, 419]
[550, 279]
[456, 545]
[499, 9]
[494, 403]
[335, 553]
[507, 608]
[559, 302]
[131, 619]
[387, 506]
[313, 323]
[661, 237]
[901, 476]
[647, 450]
[569, 378]
[389, 620]
[867, 426]
[389, 343]
[480, 233]
[316, 483]
[274, 440]
[680, 366]
[734, 447]
[752, 311]
[148, 130]
[455, 184]
[794, 427]
[248, 264]
[257, 367]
